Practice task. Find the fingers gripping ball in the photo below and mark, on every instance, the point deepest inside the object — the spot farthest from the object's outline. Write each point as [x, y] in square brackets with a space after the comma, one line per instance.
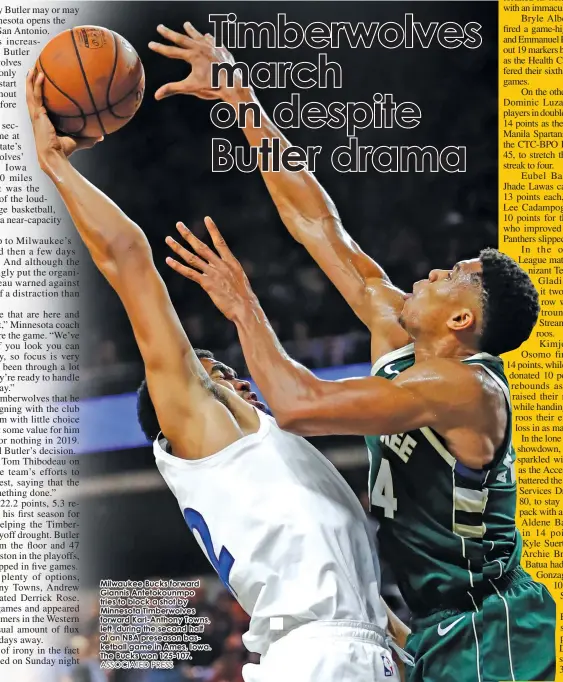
[94, 81]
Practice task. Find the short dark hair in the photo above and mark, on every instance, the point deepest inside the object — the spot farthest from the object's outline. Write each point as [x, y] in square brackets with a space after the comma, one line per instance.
[510, 303]
[146, 414]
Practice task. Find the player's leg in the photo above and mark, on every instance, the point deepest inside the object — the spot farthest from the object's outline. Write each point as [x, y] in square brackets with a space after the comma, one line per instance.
[519, 634]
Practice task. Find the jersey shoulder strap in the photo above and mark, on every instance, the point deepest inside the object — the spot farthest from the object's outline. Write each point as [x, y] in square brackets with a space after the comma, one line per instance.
[492, 362]
[403, 356]
[495, 369]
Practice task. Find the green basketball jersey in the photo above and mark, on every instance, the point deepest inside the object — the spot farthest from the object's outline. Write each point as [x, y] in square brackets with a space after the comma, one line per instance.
[445, 529]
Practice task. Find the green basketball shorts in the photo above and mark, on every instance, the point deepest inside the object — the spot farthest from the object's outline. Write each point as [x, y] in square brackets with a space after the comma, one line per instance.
[510, 638]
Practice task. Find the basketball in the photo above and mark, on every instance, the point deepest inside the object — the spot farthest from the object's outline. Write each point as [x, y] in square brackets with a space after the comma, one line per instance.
[94, 81]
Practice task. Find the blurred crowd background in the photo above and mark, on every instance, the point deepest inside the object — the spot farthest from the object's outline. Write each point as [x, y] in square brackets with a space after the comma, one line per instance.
[158, 170]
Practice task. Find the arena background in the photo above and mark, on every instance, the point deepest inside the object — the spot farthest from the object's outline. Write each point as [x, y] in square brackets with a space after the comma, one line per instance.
[158, 170]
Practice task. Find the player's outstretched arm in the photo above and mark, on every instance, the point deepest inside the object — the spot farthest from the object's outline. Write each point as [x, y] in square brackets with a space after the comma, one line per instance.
[427, 394]
[306, 209]
[195, 423]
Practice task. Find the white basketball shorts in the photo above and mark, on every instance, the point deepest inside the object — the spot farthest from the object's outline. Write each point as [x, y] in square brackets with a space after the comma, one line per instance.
[326, 651]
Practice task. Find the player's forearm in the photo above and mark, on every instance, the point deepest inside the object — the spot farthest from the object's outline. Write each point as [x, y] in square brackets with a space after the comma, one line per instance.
[305, 207]
[312, 219]
[304, 404]
[296, 397]
[283, 382]
[122, 253]
[107, 232]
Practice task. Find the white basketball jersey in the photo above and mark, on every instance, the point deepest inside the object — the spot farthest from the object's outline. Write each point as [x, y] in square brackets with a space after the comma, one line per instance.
[283, 530]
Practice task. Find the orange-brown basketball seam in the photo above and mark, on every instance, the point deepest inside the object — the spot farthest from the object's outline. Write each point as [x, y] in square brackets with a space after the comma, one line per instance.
[86, 82]
[82, 115]
[100, 111]
[111, 77]
[111, 106]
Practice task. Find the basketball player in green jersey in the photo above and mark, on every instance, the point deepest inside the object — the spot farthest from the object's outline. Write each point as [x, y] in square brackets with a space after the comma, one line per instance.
[442, 463]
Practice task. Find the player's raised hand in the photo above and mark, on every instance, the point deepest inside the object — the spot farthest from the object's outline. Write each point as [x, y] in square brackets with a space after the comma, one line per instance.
[200, 52]
[219, 274]
[47, 142]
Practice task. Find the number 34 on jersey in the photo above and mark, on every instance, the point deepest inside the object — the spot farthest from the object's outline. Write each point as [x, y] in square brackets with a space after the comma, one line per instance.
[382, 493]
[402, 444]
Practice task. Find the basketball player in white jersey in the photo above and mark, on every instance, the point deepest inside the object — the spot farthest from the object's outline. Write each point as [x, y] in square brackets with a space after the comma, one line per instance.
[278, 523]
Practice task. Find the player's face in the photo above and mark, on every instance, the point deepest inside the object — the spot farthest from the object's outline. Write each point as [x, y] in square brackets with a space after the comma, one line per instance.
[446, 299]
[224, 375]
